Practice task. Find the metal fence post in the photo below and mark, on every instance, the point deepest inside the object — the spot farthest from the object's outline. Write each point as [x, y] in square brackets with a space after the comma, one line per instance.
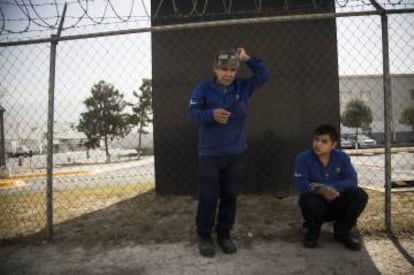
[49, 181]
[387, 119]
[50, 121]
[387, 112]
[2, 142]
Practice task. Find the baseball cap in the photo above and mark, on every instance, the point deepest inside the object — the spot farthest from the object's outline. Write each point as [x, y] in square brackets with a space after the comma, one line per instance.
[227, 59]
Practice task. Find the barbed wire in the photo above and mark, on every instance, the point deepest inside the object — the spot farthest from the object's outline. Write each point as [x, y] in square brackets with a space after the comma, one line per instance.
[26, 16]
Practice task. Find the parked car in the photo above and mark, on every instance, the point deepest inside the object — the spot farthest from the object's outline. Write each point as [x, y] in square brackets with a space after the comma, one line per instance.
[363, 141]
[346, 143]
[21, 151]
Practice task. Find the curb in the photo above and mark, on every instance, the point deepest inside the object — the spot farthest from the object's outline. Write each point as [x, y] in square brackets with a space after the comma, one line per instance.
[16, 180]
[393, 190]
[39, 175]
[377, 151]
[5, 184]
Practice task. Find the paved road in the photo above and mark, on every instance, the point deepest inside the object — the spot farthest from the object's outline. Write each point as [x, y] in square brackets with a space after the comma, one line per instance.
[371, 171]
[141, 171]
[370, 168]
[95, 156]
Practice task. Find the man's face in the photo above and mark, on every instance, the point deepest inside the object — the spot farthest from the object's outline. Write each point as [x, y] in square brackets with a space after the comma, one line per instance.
[323, 145]
[225, 76]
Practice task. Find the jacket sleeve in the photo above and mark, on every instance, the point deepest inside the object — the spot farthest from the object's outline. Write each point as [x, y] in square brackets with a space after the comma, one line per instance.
[260, 74]
[301, 175]
[197, 109]
[350, 178]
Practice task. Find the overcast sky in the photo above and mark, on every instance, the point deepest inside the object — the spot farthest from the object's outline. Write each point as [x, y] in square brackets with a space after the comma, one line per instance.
[124, 60]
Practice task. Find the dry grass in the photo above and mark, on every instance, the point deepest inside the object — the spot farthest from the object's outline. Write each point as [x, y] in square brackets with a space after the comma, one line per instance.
[25, 214]
[372, 220]
[134, 213]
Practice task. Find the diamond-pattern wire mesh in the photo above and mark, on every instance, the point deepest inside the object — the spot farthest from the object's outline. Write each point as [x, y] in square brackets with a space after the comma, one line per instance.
[360, 74]
[24, 79]
[83, 181]
[122, 61]
[87, 185]
[402, 39]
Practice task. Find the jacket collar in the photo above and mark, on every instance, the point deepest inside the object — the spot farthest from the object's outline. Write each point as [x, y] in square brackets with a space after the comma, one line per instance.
[314, 155]
[213, 84]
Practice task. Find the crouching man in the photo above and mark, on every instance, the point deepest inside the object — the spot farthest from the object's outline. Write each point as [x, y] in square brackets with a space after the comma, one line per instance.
[328, 187]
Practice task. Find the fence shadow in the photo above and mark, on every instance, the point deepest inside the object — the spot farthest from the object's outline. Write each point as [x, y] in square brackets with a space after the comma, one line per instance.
[395, 240]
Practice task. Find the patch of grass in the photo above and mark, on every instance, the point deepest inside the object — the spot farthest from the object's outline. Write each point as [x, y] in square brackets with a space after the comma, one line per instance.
[5, 183]
[372, 220]
[25, 214]
[3, 173]
[135, 213]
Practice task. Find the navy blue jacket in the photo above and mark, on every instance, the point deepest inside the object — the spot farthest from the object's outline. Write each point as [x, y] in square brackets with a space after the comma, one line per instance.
[339, 173]
[215, 139]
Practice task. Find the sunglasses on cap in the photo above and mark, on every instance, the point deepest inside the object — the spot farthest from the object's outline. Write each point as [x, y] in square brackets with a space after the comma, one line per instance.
[230, 59]
[227, 56]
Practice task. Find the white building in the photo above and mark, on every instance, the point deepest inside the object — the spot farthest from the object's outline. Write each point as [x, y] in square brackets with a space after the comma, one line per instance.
[369, 88]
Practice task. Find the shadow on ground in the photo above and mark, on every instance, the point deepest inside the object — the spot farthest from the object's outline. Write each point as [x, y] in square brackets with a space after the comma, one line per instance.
[150, 219]
[268, 230]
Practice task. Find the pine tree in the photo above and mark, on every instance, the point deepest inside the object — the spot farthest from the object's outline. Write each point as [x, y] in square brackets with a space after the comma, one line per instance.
[142, 110]
[105, 118]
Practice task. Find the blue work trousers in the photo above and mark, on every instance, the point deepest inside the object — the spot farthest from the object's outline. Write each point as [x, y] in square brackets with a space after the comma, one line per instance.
[344, 210]
[219, 186]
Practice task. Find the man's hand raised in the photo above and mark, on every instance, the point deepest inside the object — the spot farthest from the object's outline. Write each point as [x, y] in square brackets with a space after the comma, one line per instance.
[243, 56]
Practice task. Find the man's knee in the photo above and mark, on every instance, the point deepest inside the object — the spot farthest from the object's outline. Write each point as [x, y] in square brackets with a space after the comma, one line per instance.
[310, 201]
[362, 195]
[209, 197]
[230, 193]
[356, 197]
[357, 194]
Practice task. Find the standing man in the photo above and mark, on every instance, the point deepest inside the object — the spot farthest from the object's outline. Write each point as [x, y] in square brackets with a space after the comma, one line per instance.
[218, 107]
[329, 191]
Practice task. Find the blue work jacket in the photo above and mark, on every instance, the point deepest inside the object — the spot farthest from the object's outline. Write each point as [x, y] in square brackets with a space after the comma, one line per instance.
[339, 173]
[215, 139]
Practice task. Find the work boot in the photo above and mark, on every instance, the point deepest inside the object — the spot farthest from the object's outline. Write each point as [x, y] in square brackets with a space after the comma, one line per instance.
[310, 239]
[226, 243]
[348, 240]
[206, 246]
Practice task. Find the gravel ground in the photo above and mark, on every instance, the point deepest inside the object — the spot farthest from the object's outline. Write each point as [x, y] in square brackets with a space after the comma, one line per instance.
[378, 256]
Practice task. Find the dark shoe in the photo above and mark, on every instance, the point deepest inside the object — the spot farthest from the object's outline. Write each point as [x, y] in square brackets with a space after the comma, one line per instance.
[310, 240]
[206, 246]
[226, 243]
[349, 241]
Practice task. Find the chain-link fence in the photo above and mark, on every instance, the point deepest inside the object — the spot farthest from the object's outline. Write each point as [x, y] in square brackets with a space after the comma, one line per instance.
[103, 149]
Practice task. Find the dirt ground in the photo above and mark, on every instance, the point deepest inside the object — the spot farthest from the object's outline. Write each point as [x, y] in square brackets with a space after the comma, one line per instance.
[378, 256]
[149, 234]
